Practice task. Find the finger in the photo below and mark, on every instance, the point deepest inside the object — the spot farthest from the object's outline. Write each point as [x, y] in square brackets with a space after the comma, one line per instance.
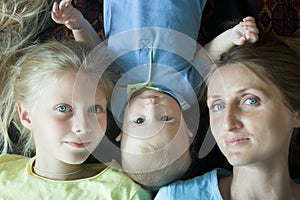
[240, 41]
[64, 4]
[55, 7]
[69, 11]
[54, 16]
[249, 18]
[253, 29]
[252, 37]
[248, 23]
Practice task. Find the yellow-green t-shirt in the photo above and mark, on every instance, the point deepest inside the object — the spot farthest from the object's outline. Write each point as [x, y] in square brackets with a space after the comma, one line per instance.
[17, 181]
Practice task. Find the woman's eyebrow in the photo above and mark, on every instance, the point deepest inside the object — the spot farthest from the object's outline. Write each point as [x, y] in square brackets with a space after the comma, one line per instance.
[211, 97]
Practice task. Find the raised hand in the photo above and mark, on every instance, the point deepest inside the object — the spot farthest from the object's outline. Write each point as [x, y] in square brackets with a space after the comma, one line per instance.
[65, 13]
[245, 32]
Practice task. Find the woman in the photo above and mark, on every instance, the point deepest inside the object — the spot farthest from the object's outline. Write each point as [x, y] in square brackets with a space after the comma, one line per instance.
[253, 96]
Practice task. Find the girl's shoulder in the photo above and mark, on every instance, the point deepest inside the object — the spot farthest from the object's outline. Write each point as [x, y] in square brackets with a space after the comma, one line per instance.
[5, 158]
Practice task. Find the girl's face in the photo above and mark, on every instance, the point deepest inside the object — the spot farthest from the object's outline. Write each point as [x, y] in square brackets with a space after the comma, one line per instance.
[248, 117]
[68, 119]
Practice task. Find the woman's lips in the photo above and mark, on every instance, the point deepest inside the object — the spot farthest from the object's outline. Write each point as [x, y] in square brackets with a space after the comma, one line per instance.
[236, 141]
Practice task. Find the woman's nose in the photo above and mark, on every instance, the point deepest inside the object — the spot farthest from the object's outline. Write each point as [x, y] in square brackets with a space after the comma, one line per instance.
[232, 119]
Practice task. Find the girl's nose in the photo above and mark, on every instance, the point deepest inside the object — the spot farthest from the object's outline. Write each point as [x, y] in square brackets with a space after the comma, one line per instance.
[80, 126]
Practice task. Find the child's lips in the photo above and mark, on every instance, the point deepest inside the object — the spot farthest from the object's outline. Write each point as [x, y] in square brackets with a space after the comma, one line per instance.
[78, 144]
[151, 97]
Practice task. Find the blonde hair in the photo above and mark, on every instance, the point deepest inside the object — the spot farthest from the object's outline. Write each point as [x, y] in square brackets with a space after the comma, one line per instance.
[41, 63]
[22, 22]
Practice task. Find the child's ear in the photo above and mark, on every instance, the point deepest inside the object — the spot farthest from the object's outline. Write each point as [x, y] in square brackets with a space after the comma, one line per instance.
[119, 137]
[297, 119]
[24, 117]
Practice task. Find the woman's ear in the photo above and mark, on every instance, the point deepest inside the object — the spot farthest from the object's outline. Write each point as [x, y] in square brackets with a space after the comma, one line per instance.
[24, 117]
[297, 119]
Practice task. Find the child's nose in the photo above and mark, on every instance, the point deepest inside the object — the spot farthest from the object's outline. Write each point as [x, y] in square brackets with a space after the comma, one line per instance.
[80, 126]
[151, 101]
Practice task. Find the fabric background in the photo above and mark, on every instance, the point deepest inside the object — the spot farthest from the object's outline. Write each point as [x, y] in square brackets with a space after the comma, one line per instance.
[279, 16]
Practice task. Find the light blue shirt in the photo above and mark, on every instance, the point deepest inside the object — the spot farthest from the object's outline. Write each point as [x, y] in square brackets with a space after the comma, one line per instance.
[202, 187]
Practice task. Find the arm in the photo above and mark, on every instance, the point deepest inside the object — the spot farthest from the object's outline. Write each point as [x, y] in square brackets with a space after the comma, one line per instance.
[65, 13]
[244, 32]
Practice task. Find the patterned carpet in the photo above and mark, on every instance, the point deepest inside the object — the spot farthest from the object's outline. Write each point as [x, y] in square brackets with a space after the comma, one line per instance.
[279, 16]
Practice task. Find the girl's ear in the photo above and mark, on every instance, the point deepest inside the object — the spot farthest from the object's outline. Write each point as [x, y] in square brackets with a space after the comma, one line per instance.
[24, 117]
[297, 119]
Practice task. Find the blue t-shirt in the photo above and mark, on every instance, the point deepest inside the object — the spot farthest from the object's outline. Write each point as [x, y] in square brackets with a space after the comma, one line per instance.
[201, 187]
[162, 33]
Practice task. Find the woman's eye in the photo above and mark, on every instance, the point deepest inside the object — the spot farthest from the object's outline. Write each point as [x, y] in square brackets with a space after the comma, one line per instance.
[165, 118]
[63, 108]
[251, 101]
[139, 120]
[95, 109]
[217, 107]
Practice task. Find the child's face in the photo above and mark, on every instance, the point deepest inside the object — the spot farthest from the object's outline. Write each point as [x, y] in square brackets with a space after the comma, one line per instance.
[67, 122]
[153, 124]
[152, 116]
[248, 116]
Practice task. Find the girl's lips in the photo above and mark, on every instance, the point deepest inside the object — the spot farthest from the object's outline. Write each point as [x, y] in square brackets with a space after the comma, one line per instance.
[236, 141]
[78, 144]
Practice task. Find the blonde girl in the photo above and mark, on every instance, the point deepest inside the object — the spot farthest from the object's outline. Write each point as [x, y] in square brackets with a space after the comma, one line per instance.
[59, 101]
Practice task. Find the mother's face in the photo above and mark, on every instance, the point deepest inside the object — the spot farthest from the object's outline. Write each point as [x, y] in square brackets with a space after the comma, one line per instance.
[248, 117]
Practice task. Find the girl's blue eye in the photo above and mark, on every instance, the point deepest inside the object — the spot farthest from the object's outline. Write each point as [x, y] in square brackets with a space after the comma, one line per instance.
[165, 118]
[95, 109]
[251, 101]
[139, 120]
[63, 108]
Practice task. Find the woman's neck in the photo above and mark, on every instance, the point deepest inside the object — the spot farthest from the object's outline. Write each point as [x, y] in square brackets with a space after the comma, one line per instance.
[259, 183]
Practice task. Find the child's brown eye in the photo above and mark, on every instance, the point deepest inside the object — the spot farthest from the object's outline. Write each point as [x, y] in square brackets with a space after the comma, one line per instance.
[139, 120]
[165, 118]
